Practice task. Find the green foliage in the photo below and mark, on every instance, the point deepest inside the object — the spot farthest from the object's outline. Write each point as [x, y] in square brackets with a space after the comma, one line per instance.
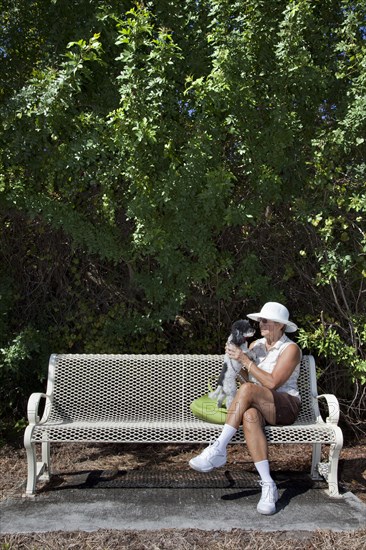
[6, 300]
[21, 348]
[165, 168]
[327, 342]
[20, 370]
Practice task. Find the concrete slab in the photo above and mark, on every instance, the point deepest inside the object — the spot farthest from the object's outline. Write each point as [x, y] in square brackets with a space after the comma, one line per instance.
[87, 502]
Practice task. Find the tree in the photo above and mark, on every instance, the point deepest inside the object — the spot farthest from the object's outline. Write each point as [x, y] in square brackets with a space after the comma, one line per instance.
[177, 166]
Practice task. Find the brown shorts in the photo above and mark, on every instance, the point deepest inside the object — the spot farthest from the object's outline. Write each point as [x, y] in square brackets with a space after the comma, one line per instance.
[287, 408]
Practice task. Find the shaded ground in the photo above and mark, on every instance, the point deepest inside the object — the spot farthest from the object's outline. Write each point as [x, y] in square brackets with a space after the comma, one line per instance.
[71, 458]
[172, 459]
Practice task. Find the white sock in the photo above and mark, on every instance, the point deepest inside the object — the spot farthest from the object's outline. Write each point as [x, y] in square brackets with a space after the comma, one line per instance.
[227, 433]
[263, 471]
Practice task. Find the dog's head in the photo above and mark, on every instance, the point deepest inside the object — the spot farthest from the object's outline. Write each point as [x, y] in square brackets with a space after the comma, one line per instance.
[241, 331]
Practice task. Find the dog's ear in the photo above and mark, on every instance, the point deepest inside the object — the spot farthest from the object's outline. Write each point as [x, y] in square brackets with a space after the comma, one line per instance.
[238, 324]
[241, 325]
[241, 331]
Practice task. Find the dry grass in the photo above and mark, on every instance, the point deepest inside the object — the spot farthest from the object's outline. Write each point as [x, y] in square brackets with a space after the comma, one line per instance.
[77, 457]
[192, 539]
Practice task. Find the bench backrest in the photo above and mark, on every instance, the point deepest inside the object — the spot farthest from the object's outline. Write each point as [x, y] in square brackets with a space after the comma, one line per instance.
[143, 387]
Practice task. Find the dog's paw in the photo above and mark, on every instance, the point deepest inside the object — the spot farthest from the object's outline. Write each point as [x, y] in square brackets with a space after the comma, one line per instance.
[218, 394]
[249, 353]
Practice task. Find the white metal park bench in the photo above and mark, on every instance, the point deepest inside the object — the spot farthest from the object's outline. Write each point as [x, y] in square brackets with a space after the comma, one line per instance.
[146, 399]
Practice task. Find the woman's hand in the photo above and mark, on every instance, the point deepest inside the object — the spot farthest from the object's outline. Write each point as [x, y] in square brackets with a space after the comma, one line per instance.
[233, 351]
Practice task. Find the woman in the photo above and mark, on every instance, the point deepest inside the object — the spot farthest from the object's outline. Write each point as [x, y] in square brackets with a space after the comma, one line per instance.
[272, 398]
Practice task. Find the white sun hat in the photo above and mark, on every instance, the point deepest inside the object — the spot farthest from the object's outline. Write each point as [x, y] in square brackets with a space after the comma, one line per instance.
[273, 311]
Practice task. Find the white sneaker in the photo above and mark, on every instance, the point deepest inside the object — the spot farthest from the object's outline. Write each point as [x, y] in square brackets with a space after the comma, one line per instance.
[267, 503]
[210, 458]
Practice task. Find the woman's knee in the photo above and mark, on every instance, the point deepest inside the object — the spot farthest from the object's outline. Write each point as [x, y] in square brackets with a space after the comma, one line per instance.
[246, 391]
[252, 420]
[250, 395]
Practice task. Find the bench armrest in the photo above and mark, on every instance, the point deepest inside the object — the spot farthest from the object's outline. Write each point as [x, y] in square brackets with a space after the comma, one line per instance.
[33, 405]
[333, 407]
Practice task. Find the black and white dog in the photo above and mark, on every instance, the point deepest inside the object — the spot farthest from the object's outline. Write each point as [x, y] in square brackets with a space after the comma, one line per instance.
[241, 331]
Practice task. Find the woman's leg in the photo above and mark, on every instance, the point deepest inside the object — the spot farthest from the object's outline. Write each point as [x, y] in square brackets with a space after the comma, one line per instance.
[251, 396]
[253, 423]
[247, 397]
[254, 420]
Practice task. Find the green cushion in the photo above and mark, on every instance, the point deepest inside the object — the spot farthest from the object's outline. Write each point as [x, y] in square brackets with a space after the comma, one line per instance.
[206, 409]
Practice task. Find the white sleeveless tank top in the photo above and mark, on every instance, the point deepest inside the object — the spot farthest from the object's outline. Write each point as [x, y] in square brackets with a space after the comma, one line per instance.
[267, 359]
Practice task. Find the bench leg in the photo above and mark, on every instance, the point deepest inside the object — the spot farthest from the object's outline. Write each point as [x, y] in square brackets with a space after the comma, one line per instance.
[317, 451]
[334, 453]
[329, 470]
[36, 469]
[31, 462]
[46, 461]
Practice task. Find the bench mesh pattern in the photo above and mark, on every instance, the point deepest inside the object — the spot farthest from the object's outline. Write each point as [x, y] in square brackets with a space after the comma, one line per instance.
[145, 398]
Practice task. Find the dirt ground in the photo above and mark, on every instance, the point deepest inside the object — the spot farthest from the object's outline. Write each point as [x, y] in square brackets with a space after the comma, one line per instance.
[67, 459]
